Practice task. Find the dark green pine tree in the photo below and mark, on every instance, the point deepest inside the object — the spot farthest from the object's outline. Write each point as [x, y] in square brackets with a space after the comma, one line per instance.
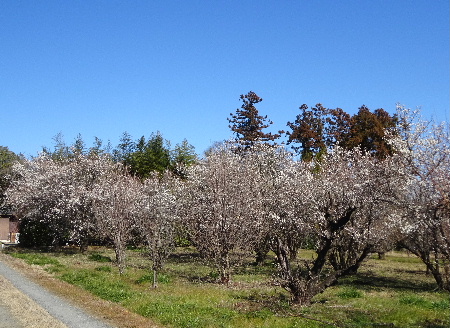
[248, 125]
[122, 153]
[149, 156]
[183, 155]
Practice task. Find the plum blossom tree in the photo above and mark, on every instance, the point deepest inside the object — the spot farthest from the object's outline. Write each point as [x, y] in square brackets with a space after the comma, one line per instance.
[425, 148]
[23, 195]
[278, 187]
[56, 195]
[157, 219]
[335, 208]
[221, 208]
[7, 159]
[39, 195]
[116, 197]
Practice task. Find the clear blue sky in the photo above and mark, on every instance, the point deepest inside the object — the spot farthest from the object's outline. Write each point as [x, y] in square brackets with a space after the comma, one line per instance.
[100, 68]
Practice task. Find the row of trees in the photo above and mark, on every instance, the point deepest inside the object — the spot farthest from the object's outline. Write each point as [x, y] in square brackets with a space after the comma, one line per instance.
[364, 183]
[142, 157]
[422, 147]
[317, 129]
[243, 200]
[91, 199]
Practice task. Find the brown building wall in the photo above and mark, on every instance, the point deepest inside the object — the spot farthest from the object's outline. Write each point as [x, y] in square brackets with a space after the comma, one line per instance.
[4, 229]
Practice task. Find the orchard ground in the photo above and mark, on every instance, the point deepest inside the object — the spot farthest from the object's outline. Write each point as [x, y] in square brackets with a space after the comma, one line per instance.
[394, 292]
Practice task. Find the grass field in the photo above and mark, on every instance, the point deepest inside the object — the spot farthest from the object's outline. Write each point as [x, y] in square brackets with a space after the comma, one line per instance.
[395, 292]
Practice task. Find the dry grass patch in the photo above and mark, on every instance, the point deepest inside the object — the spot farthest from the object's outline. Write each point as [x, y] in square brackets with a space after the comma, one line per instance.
[26, 311]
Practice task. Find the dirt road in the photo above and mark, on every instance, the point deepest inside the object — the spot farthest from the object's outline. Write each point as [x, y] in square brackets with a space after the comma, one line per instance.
[17, 310]
[24, 304]
[26, 312]
[7, 319]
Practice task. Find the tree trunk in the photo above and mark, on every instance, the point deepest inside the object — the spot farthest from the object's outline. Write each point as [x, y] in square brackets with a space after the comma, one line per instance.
[261, 251]
[441, 277]
[293, 249]
[84, 243]
[224, 269]
[353, 269]
[301, 297]
[295, 284]
[304, 289]
[155, 279]
[261, 256]
[446, 282]
[120, 256]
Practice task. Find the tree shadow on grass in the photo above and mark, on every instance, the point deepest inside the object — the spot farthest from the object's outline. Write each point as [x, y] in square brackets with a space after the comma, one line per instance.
[434, 324]
[250, 301]
[372, 282]
[185, 257]
[190, 265]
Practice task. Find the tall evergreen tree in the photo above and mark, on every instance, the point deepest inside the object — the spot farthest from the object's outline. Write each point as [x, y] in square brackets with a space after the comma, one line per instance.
[183, 156]
[61, 151]
[149, 156]
[337, 127]
[184, 153]
[122, 153]
[248, 125]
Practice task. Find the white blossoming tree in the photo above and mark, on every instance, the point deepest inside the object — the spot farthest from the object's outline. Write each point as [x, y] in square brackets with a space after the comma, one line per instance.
[425, 148]
[157, 219]
[279, 188]
[54, 197]
[83, 173]
[39, 196]
[342, 205]
[116, 197]
[222, 208]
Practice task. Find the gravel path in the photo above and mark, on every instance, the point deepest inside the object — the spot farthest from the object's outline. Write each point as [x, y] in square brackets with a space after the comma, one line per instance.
[7, 319]
[24, 304]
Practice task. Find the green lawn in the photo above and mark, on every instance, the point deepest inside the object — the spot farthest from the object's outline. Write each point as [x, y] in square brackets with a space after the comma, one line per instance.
[394, 292]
